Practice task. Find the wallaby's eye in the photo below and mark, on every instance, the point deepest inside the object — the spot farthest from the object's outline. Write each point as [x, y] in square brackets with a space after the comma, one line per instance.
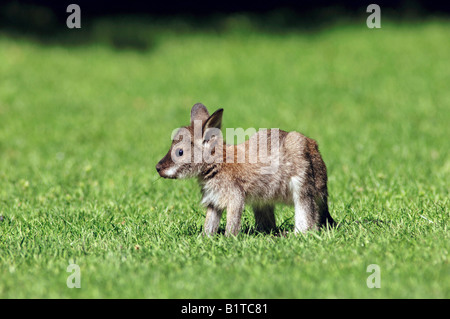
[179, 152]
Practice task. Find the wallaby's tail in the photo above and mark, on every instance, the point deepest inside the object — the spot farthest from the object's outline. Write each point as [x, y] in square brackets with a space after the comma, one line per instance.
[320, 178]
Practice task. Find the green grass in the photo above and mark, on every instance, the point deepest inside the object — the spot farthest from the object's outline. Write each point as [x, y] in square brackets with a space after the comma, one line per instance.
[82, 127]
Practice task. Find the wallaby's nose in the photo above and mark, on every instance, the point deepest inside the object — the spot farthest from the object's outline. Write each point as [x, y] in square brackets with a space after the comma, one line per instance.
[158, 167]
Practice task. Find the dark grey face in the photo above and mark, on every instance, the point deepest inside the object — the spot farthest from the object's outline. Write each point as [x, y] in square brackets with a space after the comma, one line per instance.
[186, 155]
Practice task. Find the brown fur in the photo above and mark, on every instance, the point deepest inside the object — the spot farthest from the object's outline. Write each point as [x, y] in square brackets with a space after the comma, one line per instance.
[300, 177]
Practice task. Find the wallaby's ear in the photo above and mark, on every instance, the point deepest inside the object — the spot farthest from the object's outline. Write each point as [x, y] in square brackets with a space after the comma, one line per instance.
[199, 112]
[213, 122]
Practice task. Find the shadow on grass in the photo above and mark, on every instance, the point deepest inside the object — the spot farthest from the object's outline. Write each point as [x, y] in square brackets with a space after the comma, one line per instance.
[283, 230]
[140, 31]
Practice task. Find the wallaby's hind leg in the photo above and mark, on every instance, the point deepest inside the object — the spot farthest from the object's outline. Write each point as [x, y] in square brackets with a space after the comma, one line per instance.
[303, 212]
[264, 218]
[306, 210]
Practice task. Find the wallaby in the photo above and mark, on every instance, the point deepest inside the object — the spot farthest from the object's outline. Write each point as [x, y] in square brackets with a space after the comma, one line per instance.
[234, 175]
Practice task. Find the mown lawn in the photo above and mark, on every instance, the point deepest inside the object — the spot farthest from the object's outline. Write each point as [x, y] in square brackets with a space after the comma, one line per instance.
[82, 127]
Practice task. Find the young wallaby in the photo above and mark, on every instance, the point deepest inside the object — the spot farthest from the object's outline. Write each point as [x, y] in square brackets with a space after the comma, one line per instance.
[271, 166]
